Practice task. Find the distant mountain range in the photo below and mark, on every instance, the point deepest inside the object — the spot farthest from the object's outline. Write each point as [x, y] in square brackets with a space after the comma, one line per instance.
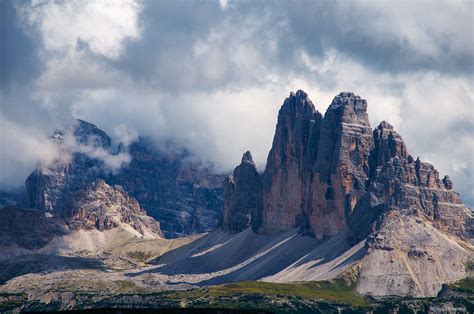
[184, 197]
[337, 199]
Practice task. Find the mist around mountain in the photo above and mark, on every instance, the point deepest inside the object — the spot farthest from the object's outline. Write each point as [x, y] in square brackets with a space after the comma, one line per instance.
[342, 218]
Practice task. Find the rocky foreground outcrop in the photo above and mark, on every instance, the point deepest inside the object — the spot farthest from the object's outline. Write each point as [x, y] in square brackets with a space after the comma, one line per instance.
[184, 197]
[333, 176]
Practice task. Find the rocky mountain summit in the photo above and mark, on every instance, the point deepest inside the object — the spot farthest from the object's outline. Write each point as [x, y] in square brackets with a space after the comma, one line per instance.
[183, 197]
[333, 176]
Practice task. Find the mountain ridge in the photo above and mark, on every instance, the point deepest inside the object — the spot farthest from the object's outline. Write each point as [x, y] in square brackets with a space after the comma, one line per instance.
[185, 199]
[333, 176]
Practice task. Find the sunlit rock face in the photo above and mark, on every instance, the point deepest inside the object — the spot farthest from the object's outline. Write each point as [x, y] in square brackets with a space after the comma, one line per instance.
[341, 167]
[333, 174]
[317, 167]
[184, 197]
[104, 207]
[408, 184]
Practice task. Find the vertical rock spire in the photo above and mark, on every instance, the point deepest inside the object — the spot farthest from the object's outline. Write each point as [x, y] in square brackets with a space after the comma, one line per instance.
[335, 174]
[342, 164]
[243, 196]
[288, 163]
[387, 144]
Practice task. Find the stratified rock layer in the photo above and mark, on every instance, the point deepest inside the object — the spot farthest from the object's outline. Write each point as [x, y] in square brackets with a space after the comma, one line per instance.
[317, 167]
[243, 196]
[341, 166]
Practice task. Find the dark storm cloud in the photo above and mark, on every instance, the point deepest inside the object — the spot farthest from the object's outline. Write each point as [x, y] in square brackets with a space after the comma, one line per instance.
[393, 38]
[19, 61]
[351, 29]
[169, 28]
[167, 55]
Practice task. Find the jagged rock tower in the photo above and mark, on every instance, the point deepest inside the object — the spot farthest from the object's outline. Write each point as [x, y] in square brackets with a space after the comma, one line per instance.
[243, 196]
[335, 174]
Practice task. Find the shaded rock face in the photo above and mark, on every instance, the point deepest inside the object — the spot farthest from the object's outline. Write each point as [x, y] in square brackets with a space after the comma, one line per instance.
[243, 197]
[335, 174]
[104, 207]
[184, 198]
[28, 228]
[289, 163]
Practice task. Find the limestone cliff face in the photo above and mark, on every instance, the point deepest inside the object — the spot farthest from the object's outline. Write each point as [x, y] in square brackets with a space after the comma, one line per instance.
[183, 197]
[243, 197]
[335, 174]
[388, 144]
[51, 188]
[289, 163]
[408, 184]
[341, 167]
[104, 207]
[317, 167]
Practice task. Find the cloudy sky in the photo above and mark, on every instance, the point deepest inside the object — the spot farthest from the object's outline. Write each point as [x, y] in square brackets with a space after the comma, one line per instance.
[210, 76]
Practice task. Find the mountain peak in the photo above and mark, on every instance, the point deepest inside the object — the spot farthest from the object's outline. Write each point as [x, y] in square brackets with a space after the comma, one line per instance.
[247, 158]
[298, 104]
[348, 98]
[299, 94]
[242, 193]
[89, 134]
[385, 125]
